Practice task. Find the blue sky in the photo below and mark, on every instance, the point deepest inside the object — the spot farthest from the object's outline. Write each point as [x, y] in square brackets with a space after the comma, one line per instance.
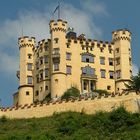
[96, 18]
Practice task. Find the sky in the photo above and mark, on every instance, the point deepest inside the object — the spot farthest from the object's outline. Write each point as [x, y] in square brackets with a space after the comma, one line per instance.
[95, 18]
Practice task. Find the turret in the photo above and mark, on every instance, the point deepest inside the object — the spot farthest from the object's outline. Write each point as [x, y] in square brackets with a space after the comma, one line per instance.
[122, 54]
[25, 75]
[58, 31]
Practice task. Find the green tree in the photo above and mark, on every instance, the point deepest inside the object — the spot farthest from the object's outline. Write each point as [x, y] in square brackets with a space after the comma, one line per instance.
[70, 93]
[134, 84]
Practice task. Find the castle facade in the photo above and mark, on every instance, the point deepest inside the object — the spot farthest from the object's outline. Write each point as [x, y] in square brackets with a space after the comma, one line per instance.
[66, 60]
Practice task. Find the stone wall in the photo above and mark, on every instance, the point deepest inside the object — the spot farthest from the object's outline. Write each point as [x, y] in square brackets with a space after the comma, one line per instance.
[130, 101]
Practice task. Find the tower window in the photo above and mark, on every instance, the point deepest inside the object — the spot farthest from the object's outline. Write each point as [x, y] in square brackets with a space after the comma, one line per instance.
[37, 93]
[68, 69]
[117, 50]
[108, 87]
[102, 60]
[41, 75]
[118, 61]
[29, 66]
[46, 72]
[37, 65]
[46, 48]
[41, 60]
[56, 40]
[46, 59]
[130, 61]
[111, 74]
[29, 79]
[68, 56]
[29, 56]
[101, 49]
[110, 61]
[27, 93]
[118, 74]
[46, 87]
[56, 66]
[110, 50]
[102, 73]
[37, 78]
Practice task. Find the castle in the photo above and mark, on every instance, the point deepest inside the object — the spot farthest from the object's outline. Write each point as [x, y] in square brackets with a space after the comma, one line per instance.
[66, 60]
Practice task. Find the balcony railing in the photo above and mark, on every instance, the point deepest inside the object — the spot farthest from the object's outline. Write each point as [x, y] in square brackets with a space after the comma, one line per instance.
[56, 57]
[89, 76]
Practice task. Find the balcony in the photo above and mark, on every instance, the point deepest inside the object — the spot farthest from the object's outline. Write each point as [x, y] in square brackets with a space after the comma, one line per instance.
[56, 57]
[89, 76]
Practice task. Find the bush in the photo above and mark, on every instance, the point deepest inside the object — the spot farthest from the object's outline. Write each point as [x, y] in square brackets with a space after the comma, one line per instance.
[70, 93]
[101, 92]
[3, 119]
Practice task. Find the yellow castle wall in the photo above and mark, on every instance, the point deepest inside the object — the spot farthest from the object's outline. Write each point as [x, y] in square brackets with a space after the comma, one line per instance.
[88, 106]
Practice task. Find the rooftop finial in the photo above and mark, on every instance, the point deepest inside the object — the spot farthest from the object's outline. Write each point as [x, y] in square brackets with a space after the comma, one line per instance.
[57, 9]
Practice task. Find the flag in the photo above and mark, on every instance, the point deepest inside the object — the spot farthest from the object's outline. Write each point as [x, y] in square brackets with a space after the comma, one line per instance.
[56, 9]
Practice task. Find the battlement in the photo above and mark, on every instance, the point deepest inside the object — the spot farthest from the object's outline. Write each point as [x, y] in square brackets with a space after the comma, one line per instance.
[91, 43]
[58, 25]
[26, 41]
[121, 34]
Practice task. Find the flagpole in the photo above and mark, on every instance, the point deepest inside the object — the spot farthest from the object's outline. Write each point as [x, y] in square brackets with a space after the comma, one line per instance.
[59, 10]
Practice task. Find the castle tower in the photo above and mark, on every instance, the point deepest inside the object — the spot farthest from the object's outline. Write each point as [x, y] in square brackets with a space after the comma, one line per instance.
[58, 57]
[26, 45]
[122, 55]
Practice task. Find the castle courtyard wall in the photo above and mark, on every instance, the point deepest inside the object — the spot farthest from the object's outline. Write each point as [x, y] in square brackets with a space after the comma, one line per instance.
[87, 105]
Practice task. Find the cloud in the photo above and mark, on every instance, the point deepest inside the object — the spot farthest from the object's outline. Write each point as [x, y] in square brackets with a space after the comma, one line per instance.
[94, 7]
[135, 69]
[36, 23]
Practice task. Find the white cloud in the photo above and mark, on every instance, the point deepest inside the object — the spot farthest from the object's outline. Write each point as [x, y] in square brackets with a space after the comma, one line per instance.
[36, 23]
[135, 69]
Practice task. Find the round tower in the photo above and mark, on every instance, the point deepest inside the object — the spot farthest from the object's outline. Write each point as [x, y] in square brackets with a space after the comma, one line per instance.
[123, 59]
[26, 45]
[58, 57]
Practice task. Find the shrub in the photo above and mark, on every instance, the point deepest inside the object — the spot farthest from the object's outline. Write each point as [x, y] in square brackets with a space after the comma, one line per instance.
[101, 92]
[3, 119]
[72, 92]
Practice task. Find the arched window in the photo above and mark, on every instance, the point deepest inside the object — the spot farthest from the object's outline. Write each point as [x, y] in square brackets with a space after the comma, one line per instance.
[88, 70]
[87, 57]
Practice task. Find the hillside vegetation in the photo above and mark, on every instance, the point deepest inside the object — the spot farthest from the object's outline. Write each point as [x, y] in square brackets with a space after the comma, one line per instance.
[116, 125]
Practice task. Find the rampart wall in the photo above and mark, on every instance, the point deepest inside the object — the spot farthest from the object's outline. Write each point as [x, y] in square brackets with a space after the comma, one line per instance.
[87, 105]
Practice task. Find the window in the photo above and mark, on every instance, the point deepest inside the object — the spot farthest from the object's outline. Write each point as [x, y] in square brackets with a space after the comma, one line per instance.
[102, 73]
[68, 69]
[68, 56]
[46, 47]
[110, 61]
[108, 87]
[27, 93]
[83, 47]
[68, 45]
[37, 65]
[56, 50]
[41, 60]
[91, 48]
[29, 56]
[46, 87]
[41, 89]
[130, 61]
[56, 40]
[46, 72]
[111, 74]
[101, 49]
[102, 60]
[85, 85]
[41, 75]
[46, 59]
[36, 93]
[87, 58]
[29, 79]
[88, 70]
[118, 74]
[117, 50]
[29, 66]
[118, 61]
[37, 78]
[56, 66]
[110, 50]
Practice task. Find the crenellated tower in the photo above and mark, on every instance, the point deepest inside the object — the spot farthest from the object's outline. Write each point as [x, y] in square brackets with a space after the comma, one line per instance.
[26, 46]
[58, 57]
[122, 55]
